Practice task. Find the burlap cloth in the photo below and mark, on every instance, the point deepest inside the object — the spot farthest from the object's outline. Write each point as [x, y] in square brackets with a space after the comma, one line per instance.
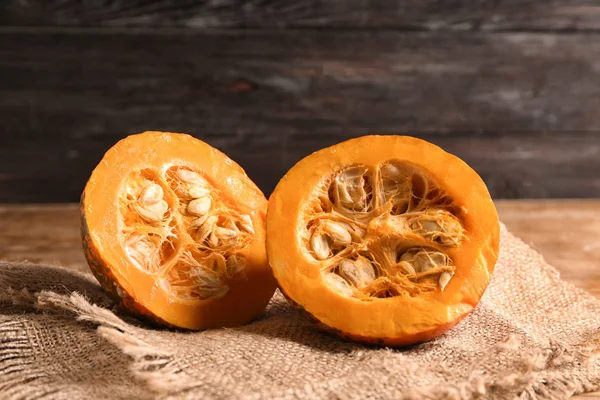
[533, 336]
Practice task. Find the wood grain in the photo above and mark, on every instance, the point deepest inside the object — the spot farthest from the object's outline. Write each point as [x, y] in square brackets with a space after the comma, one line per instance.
[498, 15]
[46, 234]
[522, 109]
[565, 232]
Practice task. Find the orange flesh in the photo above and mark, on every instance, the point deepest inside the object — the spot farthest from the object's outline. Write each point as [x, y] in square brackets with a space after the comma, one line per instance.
[403, 318]
[109, 221]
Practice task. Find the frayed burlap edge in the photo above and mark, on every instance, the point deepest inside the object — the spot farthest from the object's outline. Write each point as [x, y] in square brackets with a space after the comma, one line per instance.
[159, 370]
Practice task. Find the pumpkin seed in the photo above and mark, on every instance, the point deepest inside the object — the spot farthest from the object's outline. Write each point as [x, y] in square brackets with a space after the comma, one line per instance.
[320, 246]
[207, 227]
[445, 279]
[246, 223]
[199, 206]
[349, 189]
[151, 194]
[197, 191]
[366, 268]
[198, 222]
[338, 232]
[438, 226]
[153, 212]
[189, 176]
[213, 240]
[359, 273]
[338, 284]
[424, 260]
[405, 267]
[225, 234]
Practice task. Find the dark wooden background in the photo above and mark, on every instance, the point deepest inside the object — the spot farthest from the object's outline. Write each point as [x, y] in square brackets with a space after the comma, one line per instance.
[511, 86]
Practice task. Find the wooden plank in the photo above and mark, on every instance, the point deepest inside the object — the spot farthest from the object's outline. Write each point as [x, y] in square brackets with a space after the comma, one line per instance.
[566, 233]
[556, 165]
[524, 15]
[268, 98]
[535, 166]
[45, 234]
[227, 82]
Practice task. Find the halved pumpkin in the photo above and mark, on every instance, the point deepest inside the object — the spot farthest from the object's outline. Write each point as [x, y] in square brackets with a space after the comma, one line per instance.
[383, 239]
[175, 231]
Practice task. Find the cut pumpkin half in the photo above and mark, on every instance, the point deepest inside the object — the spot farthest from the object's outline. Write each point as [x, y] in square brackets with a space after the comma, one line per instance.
[175, 231]
[383, 239]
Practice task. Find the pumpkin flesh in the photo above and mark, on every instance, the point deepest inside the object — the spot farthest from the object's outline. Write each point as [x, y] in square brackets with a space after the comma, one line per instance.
[423, 239]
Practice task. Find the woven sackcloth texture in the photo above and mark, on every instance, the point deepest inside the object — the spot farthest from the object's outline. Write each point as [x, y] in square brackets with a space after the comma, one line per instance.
[533, 336]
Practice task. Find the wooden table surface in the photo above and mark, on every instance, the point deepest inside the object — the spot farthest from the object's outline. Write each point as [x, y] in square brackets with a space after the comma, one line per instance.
[566, 232]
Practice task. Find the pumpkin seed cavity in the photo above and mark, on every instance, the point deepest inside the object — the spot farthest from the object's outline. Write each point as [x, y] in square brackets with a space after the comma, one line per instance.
[383, 233]
[177, 228]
